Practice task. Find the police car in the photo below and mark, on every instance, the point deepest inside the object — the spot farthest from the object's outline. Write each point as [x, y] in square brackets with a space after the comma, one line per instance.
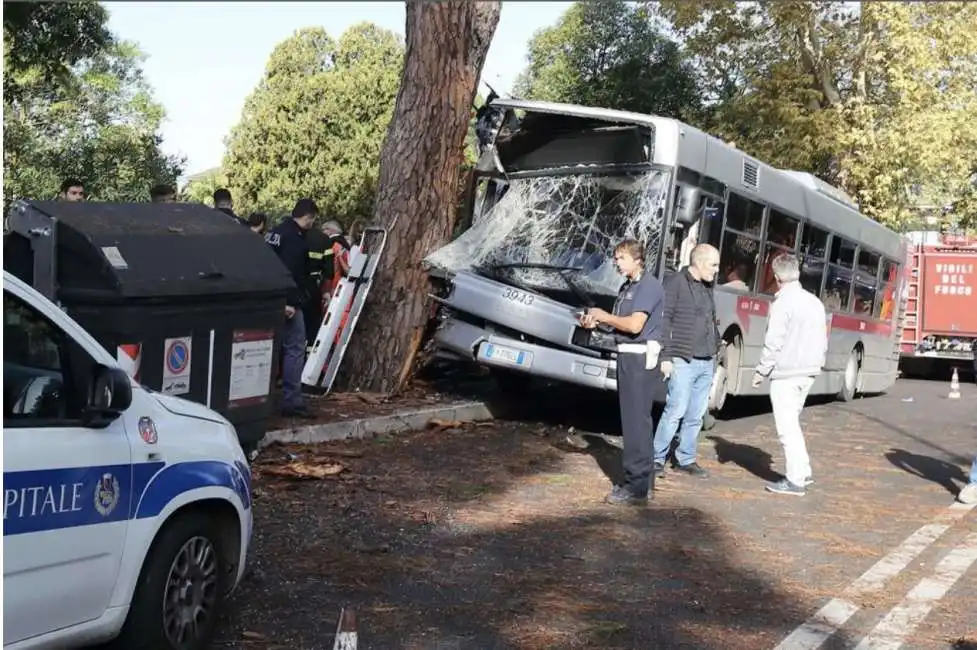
[126, 513]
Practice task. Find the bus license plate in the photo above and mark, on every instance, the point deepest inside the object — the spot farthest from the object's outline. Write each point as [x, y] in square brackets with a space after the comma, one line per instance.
[509, 355]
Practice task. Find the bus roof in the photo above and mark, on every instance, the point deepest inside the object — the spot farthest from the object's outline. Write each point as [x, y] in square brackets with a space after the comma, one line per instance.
[822, 204]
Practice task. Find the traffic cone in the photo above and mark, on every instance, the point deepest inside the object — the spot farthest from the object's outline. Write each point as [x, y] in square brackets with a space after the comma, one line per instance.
[954, 386]
[346, 631]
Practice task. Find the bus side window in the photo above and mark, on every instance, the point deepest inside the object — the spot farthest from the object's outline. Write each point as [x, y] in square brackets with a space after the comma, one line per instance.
[814, 244]
[887, 291]
[866, 277]
[744, 215]
[740, 253]
[712, 222]
[837, 286]
[781, 238]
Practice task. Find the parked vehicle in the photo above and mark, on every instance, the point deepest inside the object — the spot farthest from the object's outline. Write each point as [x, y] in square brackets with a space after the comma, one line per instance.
[559, 185]
[941, 311]
[126, 512]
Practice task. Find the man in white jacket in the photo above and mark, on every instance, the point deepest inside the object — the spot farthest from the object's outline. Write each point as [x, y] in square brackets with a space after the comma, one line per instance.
[793, 354]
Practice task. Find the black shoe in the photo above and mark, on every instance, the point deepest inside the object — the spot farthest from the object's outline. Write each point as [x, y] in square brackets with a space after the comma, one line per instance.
[298, 412]
[621, 496]
[693, 469]
[659, 470]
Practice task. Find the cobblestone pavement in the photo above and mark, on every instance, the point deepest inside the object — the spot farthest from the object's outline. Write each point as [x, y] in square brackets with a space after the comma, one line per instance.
[494, 536]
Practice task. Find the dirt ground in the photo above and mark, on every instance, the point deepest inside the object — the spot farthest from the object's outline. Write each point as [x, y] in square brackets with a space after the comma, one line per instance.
[440, 382]
[494, 536]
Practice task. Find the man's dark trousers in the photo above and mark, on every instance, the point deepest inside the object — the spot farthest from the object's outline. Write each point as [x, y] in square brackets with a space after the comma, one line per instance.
[293, 360]
[635, 391]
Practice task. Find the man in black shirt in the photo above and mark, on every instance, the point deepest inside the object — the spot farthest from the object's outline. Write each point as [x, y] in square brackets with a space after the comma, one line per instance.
[690, 343]
[288, 239]
[636, 323]
[258, 222]
[224, 203]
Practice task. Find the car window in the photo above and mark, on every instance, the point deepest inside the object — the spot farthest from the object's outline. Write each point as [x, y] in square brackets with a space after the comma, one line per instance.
[36, 380]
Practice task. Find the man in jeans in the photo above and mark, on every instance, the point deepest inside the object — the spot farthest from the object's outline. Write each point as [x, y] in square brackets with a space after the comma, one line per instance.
[794, 349]
[968, 494]
[690, 341]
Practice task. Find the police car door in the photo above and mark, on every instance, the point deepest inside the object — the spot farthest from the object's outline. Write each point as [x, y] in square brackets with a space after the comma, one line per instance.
[65, 501]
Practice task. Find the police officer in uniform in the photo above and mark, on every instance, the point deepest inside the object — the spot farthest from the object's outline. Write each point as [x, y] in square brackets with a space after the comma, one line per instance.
[288, 239]
[637, 324]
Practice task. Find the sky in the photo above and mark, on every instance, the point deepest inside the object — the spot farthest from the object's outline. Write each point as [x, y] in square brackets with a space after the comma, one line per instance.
[205, 58]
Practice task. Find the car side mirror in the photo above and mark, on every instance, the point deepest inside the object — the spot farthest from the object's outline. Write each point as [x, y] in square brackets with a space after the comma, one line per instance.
[109, 395]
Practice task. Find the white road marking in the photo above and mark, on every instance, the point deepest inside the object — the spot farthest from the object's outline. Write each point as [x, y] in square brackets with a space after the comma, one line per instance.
[830, 618]
[905, 617]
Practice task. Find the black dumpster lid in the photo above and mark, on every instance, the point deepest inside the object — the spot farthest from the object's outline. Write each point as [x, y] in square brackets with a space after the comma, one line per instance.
[143, 250]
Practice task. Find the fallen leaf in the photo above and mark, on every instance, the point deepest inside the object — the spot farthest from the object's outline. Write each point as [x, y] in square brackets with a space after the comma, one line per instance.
[437, 423]
[252, 635]
[302, 470]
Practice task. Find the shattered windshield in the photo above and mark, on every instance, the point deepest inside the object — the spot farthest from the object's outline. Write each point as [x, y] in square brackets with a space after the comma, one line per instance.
[564, 221]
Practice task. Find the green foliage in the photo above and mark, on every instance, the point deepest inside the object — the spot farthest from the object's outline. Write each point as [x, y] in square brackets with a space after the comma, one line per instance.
[879, 98]
[100, 124]
[609, 53]
[43, 40]
[315, 123]
[201, 187]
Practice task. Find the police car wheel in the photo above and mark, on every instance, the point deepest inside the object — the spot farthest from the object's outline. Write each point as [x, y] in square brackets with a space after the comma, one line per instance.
[181, 588]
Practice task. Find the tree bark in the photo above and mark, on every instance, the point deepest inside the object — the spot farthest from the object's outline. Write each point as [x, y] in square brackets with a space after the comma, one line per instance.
[417, 197]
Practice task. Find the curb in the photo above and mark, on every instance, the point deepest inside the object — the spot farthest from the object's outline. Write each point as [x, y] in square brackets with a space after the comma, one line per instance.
[398, 422]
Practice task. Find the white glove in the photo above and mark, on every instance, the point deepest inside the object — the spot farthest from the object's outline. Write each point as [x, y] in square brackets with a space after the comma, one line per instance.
[651, 356]
[667, 368]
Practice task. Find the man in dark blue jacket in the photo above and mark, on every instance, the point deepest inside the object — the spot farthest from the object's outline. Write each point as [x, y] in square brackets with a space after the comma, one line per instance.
[289, 242]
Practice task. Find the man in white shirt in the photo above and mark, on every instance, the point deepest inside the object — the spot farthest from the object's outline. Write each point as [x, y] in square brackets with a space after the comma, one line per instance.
[793, 354]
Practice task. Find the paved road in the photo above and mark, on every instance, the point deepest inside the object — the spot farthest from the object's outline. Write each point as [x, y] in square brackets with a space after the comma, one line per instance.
[495, 537]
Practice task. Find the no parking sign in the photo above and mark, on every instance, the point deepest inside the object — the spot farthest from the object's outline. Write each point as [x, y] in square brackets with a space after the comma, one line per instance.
[176, 366]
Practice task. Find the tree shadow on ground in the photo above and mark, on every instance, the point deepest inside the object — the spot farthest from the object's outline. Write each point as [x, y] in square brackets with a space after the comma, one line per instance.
[905, 433]
[463, 540]
[747, 406]
[932, 469]
[753, 459]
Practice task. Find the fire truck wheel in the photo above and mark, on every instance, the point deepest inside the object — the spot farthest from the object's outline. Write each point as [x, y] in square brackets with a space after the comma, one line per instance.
[853, 373]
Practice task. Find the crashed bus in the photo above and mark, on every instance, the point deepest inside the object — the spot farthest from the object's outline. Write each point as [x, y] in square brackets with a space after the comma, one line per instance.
[557, 186]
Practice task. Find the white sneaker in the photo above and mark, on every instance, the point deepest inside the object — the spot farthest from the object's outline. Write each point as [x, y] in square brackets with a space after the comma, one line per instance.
[968, 495]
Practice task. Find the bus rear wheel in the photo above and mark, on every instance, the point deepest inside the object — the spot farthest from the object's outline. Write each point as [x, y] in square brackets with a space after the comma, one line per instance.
[727, 367]
[852, 377]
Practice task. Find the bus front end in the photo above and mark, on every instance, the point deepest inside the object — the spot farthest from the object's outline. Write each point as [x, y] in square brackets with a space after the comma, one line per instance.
[556, 189]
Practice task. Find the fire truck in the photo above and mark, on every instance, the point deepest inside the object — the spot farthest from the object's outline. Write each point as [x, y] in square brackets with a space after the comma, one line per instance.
[941, 301]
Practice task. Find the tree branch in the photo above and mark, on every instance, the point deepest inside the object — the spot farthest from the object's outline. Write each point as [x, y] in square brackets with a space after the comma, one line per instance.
[811, 56]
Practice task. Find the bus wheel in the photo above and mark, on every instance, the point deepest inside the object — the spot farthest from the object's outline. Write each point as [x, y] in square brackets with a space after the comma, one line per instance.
[708, 421]
[853, 372]
[728, 364]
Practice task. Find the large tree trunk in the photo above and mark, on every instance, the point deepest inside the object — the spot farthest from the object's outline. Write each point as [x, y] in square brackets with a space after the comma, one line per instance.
[417, 197]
